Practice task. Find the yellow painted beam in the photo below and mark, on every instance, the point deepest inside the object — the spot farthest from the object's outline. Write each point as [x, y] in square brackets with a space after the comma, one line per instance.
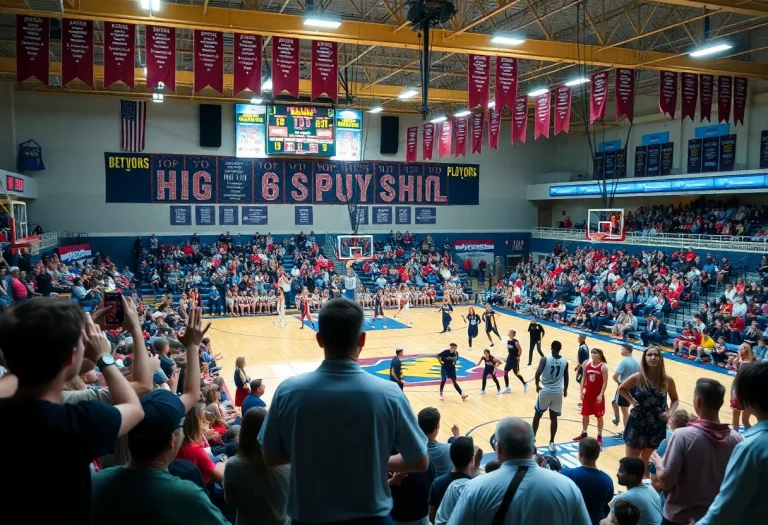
[739, 7]
[368, 34]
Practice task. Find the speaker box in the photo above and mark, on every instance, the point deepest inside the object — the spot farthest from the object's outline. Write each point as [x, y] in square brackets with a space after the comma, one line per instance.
[210, 126]
[390, 135]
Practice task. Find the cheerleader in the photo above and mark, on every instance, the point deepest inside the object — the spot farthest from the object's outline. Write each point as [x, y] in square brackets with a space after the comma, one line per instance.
[489, 316]
[446, 310]
[281, 308]
[271, 302]
[378, 308]
[304, 301]
[491, 363]
[404, 299]
[472, 320]
[315, 301]
[230, 301]
[324, 298]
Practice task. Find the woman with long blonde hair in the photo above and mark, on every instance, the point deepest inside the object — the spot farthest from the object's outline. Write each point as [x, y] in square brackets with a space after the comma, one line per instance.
[242, 382]
[281, 308]
[744, 357]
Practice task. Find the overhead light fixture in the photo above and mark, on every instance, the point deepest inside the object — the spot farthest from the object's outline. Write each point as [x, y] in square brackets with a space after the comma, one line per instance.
[157, 97]
[537, 92]
[257, 100]
[408, 93]
[462, 113]
[376, 109]
[491, 104]
[439, 119]
[710, 49]
[145, 71]
[322, 20]
[161, 84]
[348, 113]
[150, 5]
[577, 81]
[267, 85]
[507, 39]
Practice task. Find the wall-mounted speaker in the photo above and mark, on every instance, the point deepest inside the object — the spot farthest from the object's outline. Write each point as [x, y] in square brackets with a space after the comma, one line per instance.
[390, 134]
[210, 126]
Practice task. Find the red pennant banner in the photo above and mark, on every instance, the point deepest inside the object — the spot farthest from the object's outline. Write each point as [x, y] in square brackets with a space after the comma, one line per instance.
[739, 99]
[668, 93]
[461, 136]
[161, 57]
[119, 53]
[562, 109]
[477, 123]
[285, 66]
[325, 70]
[494, 127]
[77, 51]
[246, 66]
[690, 92]
[706, 94]
[411, 143]
[479, 80]
[724, 89]
[446, 135]
[33, 42]
[625, 94]
[506, 82]
[520, 119]
[209, 60]
[427, 141]
[541, 116]
[598, 96]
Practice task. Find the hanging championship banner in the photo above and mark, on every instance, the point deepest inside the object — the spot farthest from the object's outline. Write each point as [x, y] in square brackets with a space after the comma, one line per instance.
[710, 150]
[427, 141]
[764, 149]
[477, 121]
[668, 93]
[690, 92]
[625, 94]
[727, 153]
[446, 135]
[598, 96]
[77, 51]
[739, 99]
[33, 42]
[666, 158]
[641, 156]
[478, 80]
[562, 109]
[494, 127]
[325, 70]
[520, 119]
[724, 88]
[161, 57]
[541, 116]
[706, 94]
[119, 53]
[209, 60]
[506, 83]
[285, 66]
[461, 136]
[246, 64]
[411, 143]
[694, 156]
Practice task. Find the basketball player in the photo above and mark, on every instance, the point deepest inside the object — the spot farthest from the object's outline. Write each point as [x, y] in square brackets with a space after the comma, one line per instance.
[553, 373]
[472, 320]
[447, 360]
[396, 368]
[514, 350]
[304, 301]
[581, 356]
[489, 316]
[536, 334]
[281, 309]
[404, 300]
[491, 364]
[446, 310]
[378, 308]
[593, 385]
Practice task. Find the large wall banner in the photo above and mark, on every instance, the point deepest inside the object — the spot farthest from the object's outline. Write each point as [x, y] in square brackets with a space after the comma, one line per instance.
[208, 179]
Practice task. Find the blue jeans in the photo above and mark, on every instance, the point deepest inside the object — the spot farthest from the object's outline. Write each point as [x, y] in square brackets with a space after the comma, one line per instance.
[216, 306]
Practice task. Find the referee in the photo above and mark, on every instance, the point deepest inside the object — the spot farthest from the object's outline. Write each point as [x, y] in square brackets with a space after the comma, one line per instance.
[350, 285]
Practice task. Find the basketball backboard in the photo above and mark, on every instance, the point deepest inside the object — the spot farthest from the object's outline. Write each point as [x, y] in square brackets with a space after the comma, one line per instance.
[605, 225]
[355, 247]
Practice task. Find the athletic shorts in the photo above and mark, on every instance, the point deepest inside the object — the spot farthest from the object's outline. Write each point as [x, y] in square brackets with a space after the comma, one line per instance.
[512, 364]
[619, 400]
[590, 406]
[489, 329]
[549, 401]
[448, 374]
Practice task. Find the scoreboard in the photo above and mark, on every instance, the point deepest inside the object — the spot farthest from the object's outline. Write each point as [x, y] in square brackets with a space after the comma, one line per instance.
[301, 130]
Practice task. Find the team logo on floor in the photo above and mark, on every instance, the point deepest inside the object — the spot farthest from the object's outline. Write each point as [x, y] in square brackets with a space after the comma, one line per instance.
[421, 370]
[368, 323]
[567, 453]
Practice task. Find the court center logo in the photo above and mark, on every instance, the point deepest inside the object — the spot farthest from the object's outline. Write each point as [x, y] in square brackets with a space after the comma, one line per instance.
[422, 369]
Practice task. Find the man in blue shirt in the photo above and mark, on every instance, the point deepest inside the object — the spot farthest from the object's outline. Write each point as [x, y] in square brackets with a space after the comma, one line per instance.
[645, 497]
[624, 369]
[358, 416]
[214, 298]
[253, 399]
[595, 485]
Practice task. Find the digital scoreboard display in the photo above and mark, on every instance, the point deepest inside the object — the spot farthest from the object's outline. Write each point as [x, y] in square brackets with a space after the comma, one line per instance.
[301, 130]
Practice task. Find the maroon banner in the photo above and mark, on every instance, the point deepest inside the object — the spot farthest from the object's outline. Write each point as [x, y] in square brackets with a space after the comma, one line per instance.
[209, 60]
[625, 94]
[325, 70]
[541, 116]
[690, 92]
[724, 89]
[119, 53]
[77, 51]
[477, 122]
[506, 82]
[427, 141]
[33, 42]
[246, 65]
[285, 66]
[461, 136]
[161, 56]
[478, 80]
[520, 119]
[598, 96]
[562, 109]
[668, 92]
[494, 127]
[446, 135]
[739, 99]
[706, 94]
[411, 143]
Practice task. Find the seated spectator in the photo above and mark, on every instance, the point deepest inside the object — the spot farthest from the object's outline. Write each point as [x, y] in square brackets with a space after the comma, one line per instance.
[439, 453]
[630, 475]
[595, 485]
[462, 455]
[253, 399]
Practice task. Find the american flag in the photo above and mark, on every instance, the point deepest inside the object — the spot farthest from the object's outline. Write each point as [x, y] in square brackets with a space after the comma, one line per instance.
[133, 116]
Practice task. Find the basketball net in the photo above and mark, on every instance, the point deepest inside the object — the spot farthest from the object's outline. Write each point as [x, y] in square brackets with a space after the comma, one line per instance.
[597, 236]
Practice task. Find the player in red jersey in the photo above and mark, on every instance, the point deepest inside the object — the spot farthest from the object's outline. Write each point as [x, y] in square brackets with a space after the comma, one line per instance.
[593, 385]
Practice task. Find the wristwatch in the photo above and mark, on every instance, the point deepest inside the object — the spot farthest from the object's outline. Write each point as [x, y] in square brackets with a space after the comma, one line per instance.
[105, 361]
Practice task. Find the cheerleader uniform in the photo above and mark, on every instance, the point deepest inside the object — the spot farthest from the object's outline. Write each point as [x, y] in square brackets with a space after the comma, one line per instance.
[304, 311]
[490, 325]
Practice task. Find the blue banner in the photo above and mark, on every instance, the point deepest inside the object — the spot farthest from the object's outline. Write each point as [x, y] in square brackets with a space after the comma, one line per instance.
[727, 155]
[426, 216]
[653, 160]
[382, 215]
[694, 156]
[234, 180]
[735, 182]
[764, 149]
[716, 130]
[610, 145]
[183, 178]
[710, 151]
[228, 215]
[655, 138]
[30, 156]
[667, 158]
[362, 216]
[255, 215]
[181, 215]
[402, 215]
[128, 177]
[205, 215]
[303, 216]
[641, 160]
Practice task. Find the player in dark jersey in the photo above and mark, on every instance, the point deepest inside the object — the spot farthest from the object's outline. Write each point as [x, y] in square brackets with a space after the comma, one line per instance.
[582, 356]
[489, 316]
[446, 310]
[514, 351]
[491, 363]
[396, 368]
[447, 360]
[378, 308]
[472, 320]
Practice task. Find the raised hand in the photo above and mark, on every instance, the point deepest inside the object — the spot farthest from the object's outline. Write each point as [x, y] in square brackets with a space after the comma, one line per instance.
[95, 341]
[194, 331]
[130, 314]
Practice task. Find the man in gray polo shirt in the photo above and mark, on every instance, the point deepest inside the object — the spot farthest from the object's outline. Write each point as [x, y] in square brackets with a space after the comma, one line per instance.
[337, 427]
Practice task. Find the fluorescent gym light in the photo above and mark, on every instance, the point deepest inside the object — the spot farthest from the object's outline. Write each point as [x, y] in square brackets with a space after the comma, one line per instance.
[710, 49]
[157, 97]
[322, 20]
[537, 92]
[507, 39]
[267, 85]
[491, 104]
[257, 100]
[439, 119]
[376, 109]
[153, 5]
[408, 93]
[462, 113]
[577, 81]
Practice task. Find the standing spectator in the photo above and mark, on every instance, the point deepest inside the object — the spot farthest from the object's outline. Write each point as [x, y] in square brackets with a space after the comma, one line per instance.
[338, 396]
[410, 495]
[254, 398]
[595, 485]
[242, 382]
[624, 369]
[630, 475]
[694, 464]
[462, 454]
[439, 453]
[544, 497]
[536, 335]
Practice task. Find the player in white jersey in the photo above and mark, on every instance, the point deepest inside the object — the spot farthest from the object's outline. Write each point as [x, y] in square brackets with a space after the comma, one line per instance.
[552, 386]
[404, 301]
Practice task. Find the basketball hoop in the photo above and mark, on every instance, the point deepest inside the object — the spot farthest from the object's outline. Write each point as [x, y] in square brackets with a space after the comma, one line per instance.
[597, 236]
